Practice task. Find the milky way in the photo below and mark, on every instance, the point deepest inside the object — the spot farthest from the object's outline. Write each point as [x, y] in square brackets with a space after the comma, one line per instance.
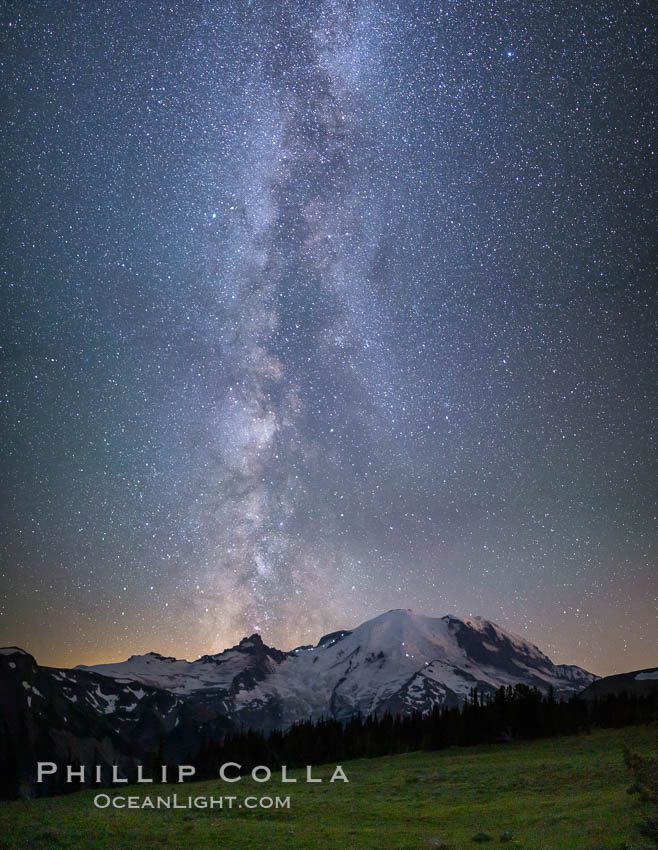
[316, 309]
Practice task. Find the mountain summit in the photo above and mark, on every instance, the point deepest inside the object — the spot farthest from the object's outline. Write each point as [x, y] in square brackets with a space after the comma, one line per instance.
[399, 662]
[122, 713]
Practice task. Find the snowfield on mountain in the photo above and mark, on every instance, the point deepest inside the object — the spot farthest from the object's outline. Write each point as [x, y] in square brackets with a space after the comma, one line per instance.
[399, 662]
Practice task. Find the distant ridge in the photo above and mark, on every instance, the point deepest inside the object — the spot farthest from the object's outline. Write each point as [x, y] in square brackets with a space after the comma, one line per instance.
[637, 682]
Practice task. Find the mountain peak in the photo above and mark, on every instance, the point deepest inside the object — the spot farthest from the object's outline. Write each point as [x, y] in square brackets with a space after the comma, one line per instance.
[155, 655]
[12, 650]
[333, 637]
[399, 661]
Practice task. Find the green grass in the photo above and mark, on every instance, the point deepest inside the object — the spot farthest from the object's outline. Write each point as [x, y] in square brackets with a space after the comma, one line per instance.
[560, 794]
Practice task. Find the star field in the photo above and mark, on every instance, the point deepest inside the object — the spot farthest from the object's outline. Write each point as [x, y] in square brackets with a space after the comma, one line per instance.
[316, 309]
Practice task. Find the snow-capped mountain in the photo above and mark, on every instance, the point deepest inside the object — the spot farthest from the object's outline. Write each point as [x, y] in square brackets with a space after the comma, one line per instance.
[217, 672]
[155, 707]
[398, 661]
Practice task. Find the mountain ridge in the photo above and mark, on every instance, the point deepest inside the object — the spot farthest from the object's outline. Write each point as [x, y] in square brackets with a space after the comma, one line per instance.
[361, 670]
[127, 712]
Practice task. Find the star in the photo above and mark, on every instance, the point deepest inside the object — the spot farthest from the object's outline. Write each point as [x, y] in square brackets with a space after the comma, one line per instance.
[254, 262]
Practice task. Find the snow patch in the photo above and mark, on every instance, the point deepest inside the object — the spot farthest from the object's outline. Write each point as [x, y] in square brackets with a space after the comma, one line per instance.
[110, 699]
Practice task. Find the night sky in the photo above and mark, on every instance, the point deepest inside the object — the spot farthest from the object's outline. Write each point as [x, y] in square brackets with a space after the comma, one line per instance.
[316, 309]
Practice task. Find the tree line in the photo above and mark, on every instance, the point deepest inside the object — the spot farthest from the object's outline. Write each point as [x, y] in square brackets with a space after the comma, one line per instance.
[511, 713]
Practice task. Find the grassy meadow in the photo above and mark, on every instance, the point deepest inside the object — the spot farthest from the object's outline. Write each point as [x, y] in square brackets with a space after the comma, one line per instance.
[559, 794]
